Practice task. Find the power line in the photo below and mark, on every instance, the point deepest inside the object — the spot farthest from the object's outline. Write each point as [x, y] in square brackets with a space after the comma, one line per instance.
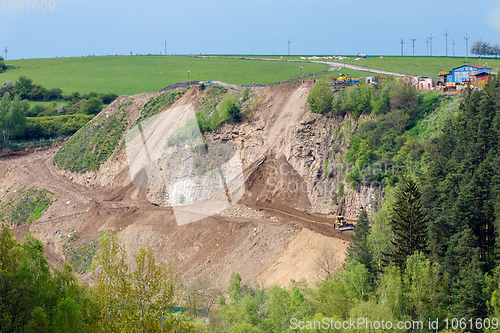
[446, 35]
[413, 40]
[466, 48]
[402, 46]
[430, 38]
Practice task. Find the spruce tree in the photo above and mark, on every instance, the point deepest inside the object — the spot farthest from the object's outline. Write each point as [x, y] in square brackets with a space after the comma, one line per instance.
[409, 224]
[358, 249]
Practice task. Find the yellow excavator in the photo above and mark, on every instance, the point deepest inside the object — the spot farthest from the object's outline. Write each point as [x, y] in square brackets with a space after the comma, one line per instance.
[341, 223]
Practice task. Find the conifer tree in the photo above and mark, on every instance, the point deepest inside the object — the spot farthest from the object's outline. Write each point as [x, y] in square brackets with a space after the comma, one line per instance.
[409, 224]
[359, 249]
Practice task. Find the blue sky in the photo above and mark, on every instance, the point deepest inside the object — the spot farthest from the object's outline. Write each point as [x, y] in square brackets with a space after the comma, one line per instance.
[77, 28]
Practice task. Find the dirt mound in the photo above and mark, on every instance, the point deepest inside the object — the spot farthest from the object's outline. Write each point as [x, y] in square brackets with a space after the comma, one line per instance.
[273, 182]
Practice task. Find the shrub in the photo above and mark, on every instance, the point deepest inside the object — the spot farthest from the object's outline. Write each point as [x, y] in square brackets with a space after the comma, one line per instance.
[52, 94]
[37, 93]
[7, 87]
[24, 85]
[108, 98]
[320, 98]
[92, 106]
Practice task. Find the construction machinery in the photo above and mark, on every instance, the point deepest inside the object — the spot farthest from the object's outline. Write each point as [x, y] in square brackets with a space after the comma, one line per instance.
[341, 223]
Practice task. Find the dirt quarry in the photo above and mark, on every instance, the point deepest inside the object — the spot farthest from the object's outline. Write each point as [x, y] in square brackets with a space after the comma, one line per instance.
[276, 232]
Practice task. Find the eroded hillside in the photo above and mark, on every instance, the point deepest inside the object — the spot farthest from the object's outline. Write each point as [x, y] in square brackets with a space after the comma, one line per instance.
[293, 183]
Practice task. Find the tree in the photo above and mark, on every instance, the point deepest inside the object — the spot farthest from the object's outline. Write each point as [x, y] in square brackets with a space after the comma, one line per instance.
[7, 87]
[15, 120]
[92, 106]
[327, 263]
[466, 278]
[321, 97]
[405, 98]
[24, 85]
[495, 50]
[39, 322]
[481, 48]
[234, 290]
[408, 223]
[9, 250]
[3, 66]
[359, 249]
[142, 300]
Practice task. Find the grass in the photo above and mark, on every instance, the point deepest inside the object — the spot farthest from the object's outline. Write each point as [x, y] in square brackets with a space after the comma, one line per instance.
[94, 143]
[417, 66]
[432, 118]
[156, 105]
[137, 74]
[79, 257]
[26, 206]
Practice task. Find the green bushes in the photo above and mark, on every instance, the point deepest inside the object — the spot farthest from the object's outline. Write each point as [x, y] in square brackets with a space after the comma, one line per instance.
[54, 126]
[355, 100]
[156, 105]
[213, 114]
[321, 97]
[92, 106]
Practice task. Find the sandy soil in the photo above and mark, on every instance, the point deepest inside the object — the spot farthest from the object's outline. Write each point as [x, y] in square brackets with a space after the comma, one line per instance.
[268, 237]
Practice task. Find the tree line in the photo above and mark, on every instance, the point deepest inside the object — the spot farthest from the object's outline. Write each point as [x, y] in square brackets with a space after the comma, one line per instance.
[22, 120]
[35, 298]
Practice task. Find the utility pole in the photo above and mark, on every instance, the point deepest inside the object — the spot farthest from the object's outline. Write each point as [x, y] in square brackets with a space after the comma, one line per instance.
[453, 43]
[427, 42]
[466, 48]
[288, 46]
[430, 38]
[402, 46]
[413, 40]
[446, 35]
[6, 53]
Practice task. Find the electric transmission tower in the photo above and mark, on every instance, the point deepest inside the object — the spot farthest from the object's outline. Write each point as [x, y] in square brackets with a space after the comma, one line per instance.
[6, 53]
[288, 46]
[453, 43]
[402, 46]
[446, 36]
[413, 40]
[466, 48]
[430, 38]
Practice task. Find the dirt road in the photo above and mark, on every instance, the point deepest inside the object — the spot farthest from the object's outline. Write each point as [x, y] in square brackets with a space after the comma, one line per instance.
[251, 240]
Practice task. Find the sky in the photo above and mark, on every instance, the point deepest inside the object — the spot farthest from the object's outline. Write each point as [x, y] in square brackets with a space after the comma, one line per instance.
[331, 27]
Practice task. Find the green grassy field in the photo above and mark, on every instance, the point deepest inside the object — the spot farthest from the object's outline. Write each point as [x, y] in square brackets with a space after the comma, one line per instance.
[137, 74]
[418, 66]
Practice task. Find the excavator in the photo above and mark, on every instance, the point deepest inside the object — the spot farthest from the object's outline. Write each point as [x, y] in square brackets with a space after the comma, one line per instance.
[341, 223]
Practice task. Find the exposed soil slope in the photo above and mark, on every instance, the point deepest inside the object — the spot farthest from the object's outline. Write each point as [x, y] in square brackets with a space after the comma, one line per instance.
[270, 236]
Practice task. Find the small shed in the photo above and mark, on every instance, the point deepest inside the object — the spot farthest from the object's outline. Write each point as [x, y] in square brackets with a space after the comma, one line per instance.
[480, 80]
[464, 73]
